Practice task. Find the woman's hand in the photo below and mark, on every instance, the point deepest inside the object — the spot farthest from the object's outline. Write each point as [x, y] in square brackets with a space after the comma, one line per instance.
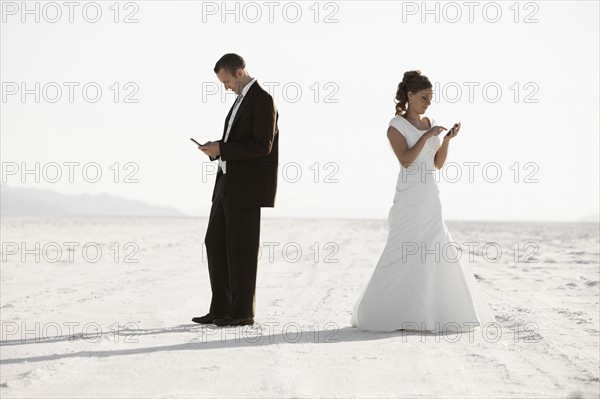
[453, 132]
[434, 131]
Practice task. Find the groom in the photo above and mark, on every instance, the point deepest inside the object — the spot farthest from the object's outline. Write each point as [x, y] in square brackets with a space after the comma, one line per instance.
[246, 181]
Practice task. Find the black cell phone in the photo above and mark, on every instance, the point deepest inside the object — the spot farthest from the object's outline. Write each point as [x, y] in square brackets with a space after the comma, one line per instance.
[453, 127]
[195, 141]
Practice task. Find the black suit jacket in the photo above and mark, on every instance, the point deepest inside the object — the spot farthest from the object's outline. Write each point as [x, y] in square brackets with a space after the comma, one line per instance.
[251, 151]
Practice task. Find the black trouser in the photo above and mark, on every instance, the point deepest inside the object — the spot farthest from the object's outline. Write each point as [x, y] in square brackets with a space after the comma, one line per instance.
[232, 241]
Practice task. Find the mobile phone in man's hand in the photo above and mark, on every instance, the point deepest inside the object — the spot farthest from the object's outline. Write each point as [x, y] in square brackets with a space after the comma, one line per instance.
[196, 142]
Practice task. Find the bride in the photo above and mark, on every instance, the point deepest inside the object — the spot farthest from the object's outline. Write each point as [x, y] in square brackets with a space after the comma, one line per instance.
[419, 282]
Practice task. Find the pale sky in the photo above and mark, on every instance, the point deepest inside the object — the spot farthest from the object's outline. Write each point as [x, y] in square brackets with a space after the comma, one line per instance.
[544, 124]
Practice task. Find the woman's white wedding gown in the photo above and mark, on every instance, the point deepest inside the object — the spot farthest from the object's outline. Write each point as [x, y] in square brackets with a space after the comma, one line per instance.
[421, 281]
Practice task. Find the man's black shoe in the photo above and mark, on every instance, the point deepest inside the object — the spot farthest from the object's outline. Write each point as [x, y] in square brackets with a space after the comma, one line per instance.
[206, 319]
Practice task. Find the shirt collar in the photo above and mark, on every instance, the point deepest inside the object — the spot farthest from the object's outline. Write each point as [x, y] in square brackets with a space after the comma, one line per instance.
[247, 87]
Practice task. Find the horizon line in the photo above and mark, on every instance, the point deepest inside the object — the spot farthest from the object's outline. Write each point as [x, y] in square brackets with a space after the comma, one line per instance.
[287, 217]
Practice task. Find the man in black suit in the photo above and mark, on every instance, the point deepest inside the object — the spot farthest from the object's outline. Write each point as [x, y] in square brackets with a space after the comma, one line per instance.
[246, 181]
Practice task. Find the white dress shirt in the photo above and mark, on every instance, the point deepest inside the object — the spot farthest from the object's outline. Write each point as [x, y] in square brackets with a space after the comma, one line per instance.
[238, 101]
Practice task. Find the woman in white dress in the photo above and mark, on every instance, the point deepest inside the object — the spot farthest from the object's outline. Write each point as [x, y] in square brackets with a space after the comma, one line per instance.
[419, 282]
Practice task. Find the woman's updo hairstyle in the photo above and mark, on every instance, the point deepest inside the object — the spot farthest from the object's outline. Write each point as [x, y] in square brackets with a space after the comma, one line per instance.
[413, 81]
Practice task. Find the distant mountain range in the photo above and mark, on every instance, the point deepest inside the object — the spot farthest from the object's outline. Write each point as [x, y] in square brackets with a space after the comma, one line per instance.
[31, 201]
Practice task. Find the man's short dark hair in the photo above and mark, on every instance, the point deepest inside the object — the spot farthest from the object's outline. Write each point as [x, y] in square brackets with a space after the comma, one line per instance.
[231, 63]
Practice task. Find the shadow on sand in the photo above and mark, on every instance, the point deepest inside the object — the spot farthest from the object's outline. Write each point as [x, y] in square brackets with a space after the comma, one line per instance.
[212, 337]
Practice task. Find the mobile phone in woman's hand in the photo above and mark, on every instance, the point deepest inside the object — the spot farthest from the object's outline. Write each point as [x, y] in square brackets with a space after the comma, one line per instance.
[452, 130]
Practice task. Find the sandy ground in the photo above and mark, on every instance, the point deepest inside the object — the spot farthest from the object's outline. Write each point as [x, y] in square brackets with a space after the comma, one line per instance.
[115, 328]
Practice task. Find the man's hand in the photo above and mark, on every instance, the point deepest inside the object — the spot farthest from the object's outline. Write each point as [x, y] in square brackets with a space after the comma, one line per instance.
[212, 149]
